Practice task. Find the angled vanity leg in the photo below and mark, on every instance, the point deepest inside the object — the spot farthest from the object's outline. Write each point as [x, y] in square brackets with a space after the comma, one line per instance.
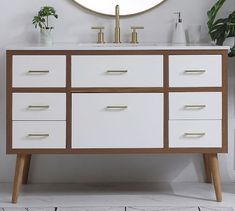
[214, 166]
[19, 171]
[207, 168]
[26, 169]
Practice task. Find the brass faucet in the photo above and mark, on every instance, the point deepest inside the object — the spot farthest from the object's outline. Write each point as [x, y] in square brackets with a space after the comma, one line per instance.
[117, 25]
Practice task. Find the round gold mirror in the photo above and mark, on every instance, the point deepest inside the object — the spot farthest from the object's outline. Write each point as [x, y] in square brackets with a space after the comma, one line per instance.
[127, 7]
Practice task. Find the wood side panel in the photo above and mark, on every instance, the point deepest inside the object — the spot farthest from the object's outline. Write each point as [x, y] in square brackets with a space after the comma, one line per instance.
[225, 102]
[9, 102]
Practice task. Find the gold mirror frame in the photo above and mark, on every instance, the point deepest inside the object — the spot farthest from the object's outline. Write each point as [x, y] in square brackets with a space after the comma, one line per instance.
[85, 5]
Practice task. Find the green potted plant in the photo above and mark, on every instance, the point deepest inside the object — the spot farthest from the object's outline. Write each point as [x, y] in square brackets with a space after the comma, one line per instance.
[221, 29]
[41, 20]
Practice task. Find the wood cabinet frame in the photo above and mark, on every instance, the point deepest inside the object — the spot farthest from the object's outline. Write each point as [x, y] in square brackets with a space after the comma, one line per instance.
[165, 89]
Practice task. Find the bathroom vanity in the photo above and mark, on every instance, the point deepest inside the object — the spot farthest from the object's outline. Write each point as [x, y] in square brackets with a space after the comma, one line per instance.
[85, 99]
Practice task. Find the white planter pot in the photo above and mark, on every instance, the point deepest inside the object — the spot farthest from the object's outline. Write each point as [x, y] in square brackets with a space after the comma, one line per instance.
[46, 36]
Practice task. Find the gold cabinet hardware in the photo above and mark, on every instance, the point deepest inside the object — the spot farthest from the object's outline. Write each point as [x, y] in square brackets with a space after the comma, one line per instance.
[188, 107]
[116, 71]
[117, 107]
[38, 107]
[38, 71]
[194, 134]
[194, 71]
[100, 38]
[38, 135]
[134, 34]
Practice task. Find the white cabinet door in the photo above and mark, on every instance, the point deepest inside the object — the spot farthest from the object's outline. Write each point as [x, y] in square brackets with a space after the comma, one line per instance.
[195, 133]
[195, 105]
[195, 71]
[39, 71]
[39, 106]
[117, 71]
[39, 135]
[117, 120]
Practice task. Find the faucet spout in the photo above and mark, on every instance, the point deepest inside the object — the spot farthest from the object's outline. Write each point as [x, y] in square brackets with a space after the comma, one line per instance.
[117, 25]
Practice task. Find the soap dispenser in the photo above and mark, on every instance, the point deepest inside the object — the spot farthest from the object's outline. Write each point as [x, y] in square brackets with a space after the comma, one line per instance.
[179, 36]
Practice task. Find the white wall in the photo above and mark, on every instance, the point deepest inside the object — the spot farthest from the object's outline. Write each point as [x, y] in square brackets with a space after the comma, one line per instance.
[74, 26]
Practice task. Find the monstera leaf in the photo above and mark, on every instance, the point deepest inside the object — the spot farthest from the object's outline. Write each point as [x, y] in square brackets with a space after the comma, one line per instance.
[222, 28]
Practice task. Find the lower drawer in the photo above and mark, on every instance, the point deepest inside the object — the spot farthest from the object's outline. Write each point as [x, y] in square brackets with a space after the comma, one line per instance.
[39, 134]
[121, 120]
[195, 133]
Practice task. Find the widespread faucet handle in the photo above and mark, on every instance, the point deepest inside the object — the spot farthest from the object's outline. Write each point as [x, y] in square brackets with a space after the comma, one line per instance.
[134, 35]
[100, 38]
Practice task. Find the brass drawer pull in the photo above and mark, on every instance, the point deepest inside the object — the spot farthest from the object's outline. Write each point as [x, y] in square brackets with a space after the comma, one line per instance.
[193, 107]
[32, 107]
[38, 135]
[194, 134]
[117, 107]
[116, 71]
[38, 71]
[194, 71]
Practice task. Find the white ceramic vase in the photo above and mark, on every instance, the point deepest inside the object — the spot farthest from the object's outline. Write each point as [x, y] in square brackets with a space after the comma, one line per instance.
[46, 36]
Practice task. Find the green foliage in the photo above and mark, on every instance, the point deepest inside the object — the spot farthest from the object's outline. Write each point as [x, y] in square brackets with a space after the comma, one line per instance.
[42, 19]
[222, 28]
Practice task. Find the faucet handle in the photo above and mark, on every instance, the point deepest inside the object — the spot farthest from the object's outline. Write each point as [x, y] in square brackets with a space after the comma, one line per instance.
[100, 38]
[134, 36]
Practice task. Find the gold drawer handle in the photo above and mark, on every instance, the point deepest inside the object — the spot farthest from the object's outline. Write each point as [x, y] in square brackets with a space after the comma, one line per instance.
[38, 135]
[38, 71]
[116, 71]
[194, 71]
[193, 107]
[32, 107]
[194, 134]
[116, 107]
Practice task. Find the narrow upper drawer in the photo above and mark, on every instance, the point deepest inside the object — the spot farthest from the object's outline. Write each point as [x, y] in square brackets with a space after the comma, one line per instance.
[195, 105]
[39, 71]
[39, 134]
[117, 71]
[195, 133]
[195, 71]
[39, 106]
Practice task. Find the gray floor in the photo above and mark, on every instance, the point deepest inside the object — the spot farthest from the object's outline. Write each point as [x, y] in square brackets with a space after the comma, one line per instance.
[118, 197]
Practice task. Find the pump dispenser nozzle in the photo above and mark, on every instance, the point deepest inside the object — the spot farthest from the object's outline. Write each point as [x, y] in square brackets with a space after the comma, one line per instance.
[179, 16]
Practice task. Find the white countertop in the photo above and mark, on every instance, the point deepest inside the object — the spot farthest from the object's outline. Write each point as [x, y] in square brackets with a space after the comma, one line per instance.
[112, 46]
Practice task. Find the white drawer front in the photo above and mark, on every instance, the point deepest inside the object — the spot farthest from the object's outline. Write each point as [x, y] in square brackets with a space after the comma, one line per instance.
[39, 106]
[117, 71]
[39, 71]
[39, 134]
[194, 105]
[195, 133]
[195, 71]
[138, 123]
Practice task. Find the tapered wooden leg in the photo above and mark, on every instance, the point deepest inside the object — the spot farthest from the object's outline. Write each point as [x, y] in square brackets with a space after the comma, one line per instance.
[214, 166]
[20, 162]
[26, 169]
[207, 168]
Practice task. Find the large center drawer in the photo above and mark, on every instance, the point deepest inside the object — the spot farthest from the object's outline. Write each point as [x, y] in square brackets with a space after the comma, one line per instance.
[117, 71]
[117, 120]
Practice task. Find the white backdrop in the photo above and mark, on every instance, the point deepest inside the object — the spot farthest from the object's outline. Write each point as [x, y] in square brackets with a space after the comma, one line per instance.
[74, 26]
